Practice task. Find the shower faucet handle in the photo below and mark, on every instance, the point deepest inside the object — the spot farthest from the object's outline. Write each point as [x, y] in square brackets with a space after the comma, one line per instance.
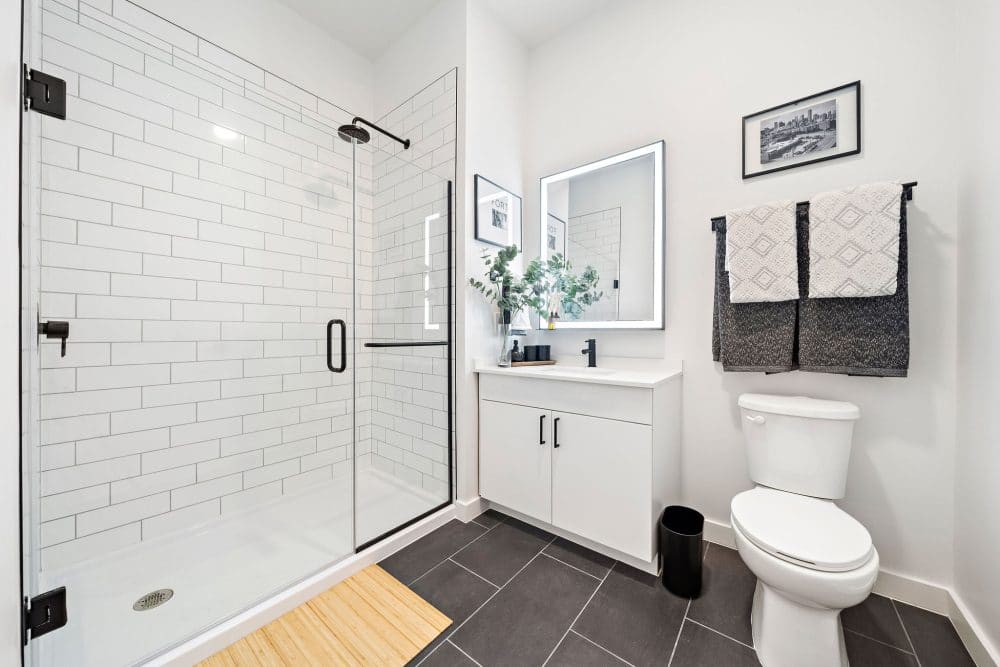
[55, 329]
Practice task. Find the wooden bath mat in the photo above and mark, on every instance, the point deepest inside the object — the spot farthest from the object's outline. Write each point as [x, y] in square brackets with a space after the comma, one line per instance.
[368, 619]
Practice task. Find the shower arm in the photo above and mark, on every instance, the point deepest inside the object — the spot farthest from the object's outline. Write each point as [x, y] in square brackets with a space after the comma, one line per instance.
[359, 119]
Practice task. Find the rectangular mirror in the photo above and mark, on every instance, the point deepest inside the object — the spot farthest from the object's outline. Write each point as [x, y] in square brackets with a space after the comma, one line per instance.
[609, 215]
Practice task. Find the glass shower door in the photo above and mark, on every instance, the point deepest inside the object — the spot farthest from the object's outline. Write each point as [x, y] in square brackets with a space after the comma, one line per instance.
[189, 446]
[404, 294]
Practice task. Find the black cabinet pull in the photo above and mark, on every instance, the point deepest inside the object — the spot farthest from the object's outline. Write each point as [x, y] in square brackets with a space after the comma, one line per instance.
[343, 346]
[555, 432]
[541, 430]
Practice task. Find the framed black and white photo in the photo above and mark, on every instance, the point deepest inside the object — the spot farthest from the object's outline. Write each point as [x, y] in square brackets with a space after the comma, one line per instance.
[820, 127]
[498, 214]
[555, 236]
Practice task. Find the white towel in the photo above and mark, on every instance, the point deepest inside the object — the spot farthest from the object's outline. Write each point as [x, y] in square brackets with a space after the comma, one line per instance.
[761, 253]
[854, 241]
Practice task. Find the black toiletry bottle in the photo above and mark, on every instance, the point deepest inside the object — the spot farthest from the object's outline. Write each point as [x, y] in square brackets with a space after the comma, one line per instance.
[517, 354]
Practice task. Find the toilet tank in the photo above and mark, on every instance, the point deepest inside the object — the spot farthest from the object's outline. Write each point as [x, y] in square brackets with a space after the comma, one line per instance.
[798, 444]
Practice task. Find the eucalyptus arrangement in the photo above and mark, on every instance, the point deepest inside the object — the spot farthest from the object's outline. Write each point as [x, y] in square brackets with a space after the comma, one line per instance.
[545, 287]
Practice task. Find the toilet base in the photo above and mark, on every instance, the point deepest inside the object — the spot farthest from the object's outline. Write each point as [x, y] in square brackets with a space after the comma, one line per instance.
[787, 633]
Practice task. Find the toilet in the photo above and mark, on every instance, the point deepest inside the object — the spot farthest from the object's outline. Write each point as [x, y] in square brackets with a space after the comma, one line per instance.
[811, 558]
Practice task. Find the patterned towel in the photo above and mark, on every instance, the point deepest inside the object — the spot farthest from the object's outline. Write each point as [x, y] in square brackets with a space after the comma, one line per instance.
[854, 241]
[760, 253]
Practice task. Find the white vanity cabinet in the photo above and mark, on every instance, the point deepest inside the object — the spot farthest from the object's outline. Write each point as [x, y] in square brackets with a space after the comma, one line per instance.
[593, 461]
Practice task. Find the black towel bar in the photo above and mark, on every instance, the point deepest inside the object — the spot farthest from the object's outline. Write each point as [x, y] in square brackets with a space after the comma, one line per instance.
[907, 190]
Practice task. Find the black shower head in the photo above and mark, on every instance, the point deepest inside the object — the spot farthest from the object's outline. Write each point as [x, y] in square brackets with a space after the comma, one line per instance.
[352, 133]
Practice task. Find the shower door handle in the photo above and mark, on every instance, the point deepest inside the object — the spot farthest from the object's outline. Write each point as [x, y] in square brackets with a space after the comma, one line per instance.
[343, 346]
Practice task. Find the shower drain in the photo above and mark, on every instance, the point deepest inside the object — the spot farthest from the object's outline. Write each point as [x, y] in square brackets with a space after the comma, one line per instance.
[153, 600]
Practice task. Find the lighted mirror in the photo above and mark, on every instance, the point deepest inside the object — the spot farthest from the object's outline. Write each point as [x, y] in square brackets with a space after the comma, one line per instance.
[608, 215]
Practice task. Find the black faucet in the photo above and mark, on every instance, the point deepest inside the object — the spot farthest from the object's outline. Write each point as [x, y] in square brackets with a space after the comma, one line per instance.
[591, 352]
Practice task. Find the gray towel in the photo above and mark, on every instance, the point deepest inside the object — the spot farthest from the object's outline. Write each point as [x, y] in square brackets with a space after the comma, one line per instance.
[753, 337]
[855, 336]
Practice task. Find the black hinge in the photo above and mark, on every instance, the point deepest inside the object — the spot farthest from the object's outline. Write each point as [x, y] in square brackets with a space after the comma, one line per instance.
[44, 93]
[46, 612]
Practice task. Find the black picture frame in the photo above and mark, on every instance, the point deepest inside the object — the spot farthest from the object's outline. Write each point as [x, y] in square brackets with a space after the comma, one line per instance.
[483, 231]
[847, 89]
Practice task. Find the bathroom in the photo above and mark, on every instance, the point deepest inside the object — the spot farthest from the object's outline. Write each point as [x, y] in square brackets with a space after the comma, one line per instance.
[216, 449]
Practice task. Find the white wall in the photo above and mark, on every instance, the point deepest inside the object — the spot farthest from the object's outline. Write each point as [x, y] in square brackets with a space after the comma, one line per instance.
[10, 551]
[278, 39]
[688, 77]
[977, 530]
[495, 74]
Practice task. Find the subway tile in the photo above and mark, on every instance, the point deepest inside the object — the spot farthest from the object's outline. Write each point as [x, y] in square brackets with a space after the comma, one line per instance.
[146, 286]
[109, 377]
[232, 178]
[126, 102]
[139, 486]
[152, 353]
[228, 465]
[213, 291]
[153, 221]
[290, 143]
[150, 154]
[180, 392]
[274, 207]
[55, 532]
[268, 313]
[270, 473]
[59, 154]
[175, 267]
[183, 80]
[206, 370]
[251, 331]
[87, 474]
[289, 91]
[117, 238]
[306, 479]
[74, 207]
[211, 231]
[230, 407]
[251, 165]
[230, 62]
[150, 418]
[73, 428]
[74, 281]
[85, 63]
[239, 104]
[91, 546]
[119, 169]
[56, 380]
[248, 442]
[144, 20]
[246, 275]
[251, 386]
[202, 491]
[273, 154]
[156, 330]
[259, 222]
[104, 117]
[231, 120]
[268, 420]
[272, 260]
[80, 500]
[90, 41]
[98, 187]
[203, 189]
[183, 143]
[122, 513]
[228, 349]
[180, 205]
[155, 91]
[176, 457]
[290, 450]
[204, 430]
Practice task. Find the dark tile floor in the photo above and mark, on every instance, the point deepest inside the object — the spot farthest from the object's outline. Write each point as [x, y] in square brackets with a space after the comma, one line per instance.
[521, 596]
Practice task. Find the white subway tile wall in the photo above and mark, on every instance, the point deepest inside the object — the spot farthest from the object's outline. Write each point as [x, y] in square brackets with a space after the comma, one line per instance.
[196, 232]
[594, 239]
[403, 394]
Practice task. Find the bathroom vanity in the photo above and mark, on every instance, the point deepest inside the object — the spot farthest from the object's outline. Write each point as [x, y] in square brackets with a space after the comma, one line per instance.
[589, 453]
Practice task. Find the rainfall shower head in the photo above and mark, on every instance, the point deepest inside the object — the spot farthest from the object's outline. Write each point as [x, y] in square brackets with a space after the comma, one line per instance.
[352, 133]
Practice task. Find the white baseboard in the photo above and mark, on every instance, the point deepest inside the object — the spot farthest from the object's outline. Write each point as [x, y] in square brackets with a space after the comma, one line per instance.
[983, 653]
[916, 592]
[237, 627]
[467, 510]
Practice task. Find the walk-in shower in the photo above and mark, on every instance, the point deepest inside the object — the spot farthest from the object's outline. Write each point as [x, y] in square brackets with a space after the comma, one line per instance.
[257, 321]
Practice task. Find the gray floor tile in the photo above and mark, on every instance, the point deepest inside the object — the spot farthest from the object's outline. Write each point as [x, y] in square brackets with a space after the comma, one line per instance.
[934, 637]
[876, 618]
[633, 616]
[414, 560]
[589, 561]
[726, 594]
[575, 651]
[490, 518]
[700, 647]
[503, 551]
[446, 656]
[526, 619]
[864, 652]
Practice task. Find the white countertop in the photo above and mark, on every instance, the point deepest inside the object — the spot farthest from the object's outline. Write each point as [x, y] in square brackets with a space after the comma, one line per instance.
[646, 373]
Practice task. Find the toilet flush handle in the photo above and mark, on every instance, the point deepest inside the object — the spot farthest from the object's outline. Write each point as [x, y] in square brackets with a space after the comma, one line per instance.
[756, 419]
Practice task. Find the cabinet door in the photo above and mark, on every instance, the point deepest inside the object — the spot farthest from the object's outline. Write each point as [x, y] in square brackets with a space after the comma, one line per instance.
[601, 481]
[515, 457]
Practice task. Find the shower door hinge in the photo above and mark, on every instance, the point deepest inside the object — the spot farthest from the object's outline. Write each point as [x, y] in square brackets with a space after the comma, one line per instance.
[44, 613]
[44, 93]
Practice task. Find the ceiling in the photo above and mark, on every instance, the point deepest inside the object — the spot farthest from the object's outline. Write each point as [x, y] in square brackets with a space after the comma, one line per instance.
[535, 21]
[370, 26]
[367, 26]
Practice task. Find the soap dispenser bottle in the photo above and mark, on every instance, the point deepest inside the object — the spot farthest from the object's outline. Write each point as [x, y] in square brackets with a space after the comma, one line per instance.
[516, 354]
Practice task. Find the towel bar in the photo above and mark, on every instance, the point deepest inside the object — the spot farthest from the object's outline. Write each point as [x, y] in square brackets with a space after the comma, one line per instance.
[907, 191]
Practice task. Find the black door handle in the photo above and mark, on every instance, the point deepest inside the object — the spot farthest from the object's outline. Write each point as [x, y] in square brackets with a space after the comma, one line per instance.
[541, 430]
[555, 432]
[343, 346]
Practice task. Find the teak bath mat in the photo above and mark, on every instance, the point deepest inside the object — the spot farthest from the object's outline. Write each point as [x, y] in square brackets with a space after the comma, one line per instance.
[367, 619]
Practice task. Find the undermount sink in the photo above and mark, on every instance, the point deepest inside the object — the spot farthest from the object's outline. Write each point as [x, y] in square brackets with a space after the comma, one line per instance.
[577, 370]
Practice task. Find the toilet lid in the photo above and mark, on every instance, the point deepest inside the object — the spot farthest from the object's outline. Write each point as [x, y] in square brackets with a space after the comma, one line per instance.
[811, 532]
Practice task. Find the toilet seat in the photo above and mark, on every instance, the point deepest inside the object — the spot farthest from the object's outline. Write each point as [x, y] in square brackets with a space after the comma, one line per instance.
[810, 532]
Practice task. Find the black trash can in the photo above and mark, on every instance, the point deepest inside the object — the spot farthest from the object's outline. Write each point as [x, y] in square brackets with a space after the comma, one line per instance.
[680, 550]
